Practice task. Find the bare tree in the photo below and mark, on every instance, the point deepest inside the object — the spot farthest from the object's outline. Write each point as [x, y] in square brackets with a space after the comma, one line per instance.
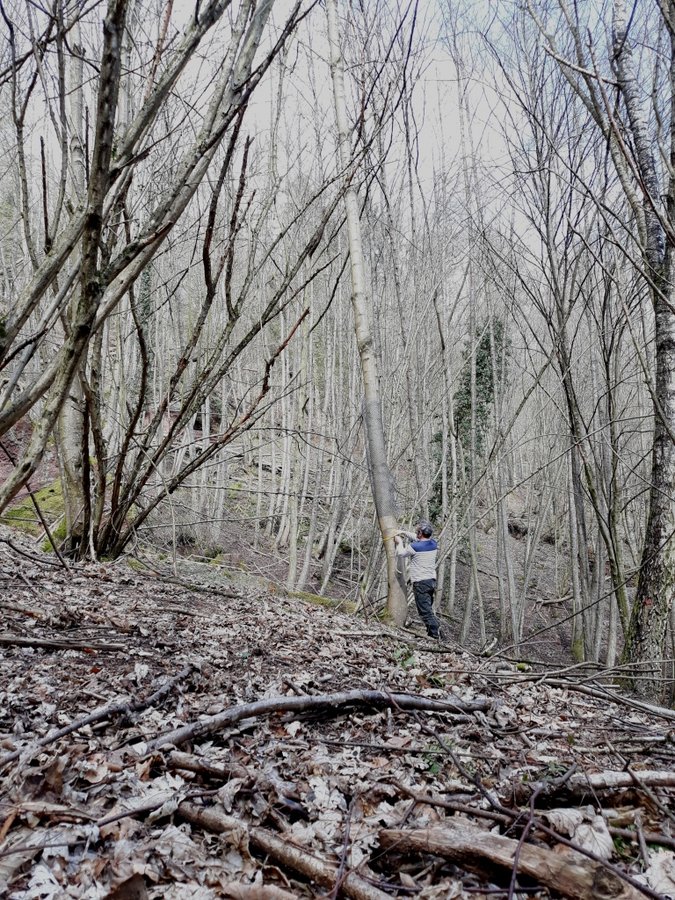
[641, 141]
[98, 256]
[381, 476]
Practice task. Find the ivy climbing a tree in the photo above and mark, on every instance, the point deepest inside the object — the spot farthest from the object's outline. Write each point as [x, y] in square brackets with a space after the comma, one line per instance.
[490, 347]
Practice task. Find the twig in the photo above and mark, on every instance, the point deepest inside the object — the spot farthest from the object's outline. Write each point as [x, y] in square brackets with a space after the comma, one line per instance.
[642, 844]
[646, 780]
[38, 559]
[606, 694]
[198, 764]
[7, 824]
[582, 784]
[653, 837]
[431, 800]
[298, 691]
[340, 875]
[22, 609]
[38, 511]
[521, 842]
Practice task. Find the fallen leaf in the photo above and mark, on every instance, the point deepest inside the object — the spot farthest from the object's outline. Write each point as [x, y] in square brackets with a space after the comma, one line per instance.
[660, 876]
[131, 889]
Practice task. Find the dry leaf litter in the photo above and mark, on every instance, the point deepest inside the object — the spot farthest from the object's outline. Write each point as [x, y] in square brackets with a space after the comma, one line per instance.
[165, 740]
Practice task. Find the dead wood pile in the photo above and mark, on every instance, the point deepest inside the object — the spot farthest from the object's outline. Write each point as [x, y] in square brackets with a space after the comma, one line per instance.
[159, 741]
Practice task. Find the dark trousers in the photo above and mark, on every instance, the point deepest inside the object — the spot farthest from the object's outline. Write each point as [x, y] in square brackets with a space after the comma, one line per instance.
[424, 598]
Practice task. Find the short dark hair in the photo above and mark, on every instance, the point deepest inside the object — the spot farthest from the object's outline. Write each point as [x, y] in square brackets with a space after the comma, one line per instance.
[425, 529]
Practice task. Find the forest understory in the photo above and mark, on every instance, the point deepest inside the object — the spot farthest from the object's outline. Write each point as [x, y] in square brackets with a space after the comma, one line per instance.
[278, 281]
[165, 736]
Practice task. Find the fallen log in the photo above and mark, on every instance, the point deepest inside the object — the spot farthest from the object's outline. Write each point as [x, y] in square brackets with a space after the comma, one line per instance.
[284, 853]
[569, 873]
[581, 784]
[332, 704]
[607, 781]
[603, 693]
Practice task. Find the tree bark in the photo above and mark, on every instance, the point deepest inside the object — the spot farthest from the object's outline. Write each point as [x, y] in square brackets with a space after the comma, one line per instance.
[646, 638]
[568, 873]
[380, 473]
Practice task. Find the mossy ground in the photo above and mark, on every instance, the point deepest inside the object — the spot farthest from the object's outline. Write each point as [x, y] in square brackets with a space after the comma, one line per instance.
[318, 600]
[22, 515]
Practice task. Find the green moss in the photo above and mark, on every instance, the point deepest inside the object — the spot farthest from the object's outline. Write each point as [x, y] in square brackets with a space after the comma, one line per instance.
[58, 533]
[331, 602]
[22, 515]
[216, 560]
[213, 553]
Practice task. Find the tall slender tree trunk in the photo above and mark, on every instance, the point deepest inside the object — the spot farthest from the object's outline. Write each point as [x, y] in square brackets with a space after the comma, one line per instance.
[380, 473]
[646, 638]
[70, 427]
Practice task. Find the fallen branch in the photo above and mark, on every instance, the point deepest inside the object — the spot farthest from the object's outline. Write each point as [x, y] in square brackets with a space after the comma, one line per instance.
[604, 781]
[193, 586]
[652, 837]
[284, 853]
[582, 784]
[612, 870]
[10, 640]
[334, 704]
[22, 609]
[285, 793]
[43, 560]
[105, 712]
[603, 693]
[568, 873]
[431, 800]
[202, 766]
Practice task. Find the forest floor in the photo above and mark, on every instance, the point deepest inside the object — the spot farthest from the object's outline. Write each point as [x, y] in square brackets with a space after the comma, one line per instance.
[166, 738]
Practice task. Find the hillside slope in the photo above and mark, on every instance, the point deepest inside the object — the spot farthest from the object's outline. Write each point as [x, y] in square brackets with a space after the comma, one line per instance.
[165, 739]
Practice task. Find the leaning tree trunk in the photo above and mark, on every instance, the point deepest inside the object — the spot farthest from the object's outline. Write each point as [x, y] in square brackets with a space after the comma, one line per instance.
[380, 474]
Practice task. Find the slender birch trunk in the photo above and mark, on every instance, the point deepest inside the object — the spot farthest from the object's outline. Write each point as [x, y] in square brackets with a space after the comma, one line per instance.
[381, 476]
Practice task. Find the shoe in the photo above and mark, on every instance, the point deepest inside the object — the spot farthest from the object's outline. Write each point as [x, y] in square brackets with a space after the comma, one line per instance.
[443, 634]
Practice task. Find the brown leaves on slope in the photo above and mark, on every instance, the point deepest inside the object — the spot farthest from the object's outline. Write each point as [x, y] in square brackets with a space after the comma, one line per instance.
[302, 769]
